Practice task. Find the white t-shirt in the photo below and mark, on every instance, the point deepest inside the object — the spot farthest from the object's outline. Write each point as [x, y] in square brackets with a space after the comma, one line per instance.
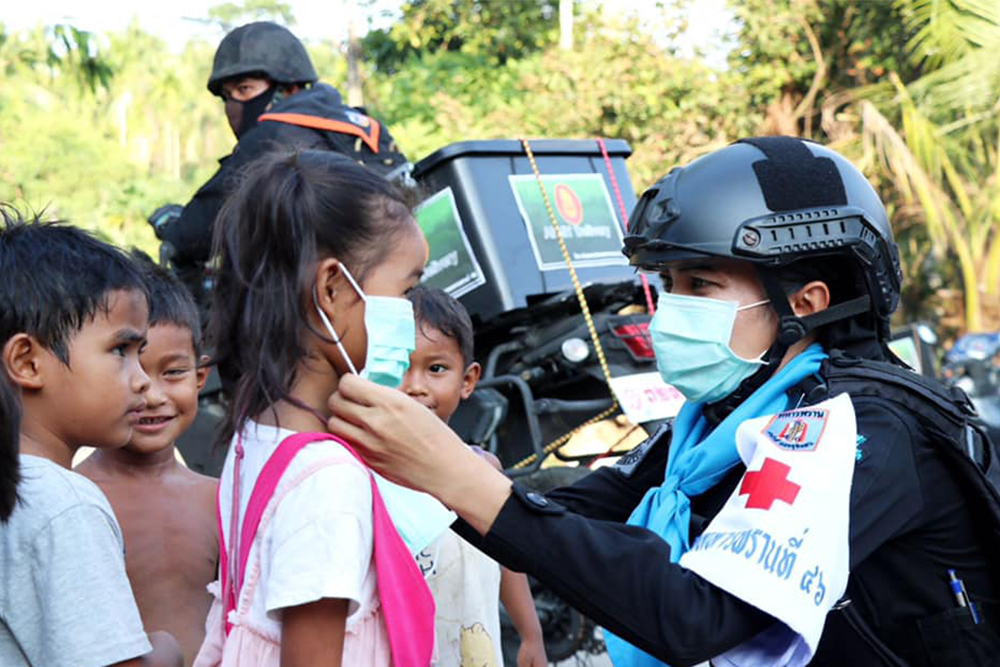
[466, 586]
[318, 544]
[64, 597]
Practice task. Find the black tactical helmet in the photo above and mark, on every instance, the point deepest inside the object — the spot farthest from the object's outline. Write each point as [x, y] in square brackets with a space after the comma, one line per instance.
[773, 201]
[263, 47]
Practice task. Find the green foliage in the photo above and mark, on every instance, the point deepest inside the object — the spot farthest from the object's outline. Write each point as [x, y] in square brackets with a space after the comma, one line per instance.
[796, 53]
[942, 155]
[497, 31]
[106, 157]
[231, 15]
[618, 83]
[60, 47]
[103, 129]
[956, 42]
[79, 54]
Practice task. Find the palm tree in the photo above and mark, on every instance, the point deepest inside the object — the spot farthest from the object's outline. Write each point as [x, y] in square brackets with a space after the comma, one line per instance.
[937, 139]
[58, 47]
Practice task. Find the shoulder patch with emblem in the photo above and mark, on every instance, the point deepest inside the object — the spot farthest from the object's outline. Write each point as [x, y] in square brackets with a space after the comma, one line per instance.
[797, 430]
[358, 118]
[629, 461]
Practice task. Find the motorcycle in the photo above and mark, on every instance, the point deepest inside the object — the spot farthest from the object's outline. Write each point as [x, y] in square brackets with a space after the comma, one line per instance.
[506, 235]
[973, 365]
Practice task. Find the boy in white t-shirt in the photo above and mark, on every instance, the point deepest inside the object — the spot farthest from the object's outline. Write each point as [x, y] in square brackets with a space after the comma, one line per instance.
[465, 582]
[73, 317]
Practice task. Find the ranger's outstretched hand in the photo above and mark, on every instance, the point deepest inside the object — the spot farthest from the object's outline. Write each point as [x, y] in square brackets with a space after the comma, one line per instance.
[410, 445]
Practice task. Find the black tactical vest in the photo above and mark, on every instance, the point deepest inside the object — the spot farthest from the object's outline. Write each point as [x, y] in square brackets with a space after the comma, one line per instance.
[949, 420]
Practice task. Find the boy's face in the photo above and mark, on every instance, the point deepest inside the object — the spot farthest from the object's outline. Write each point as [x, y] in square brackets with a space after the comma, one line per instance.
[96, 400]
[174, 381]
[438, 377]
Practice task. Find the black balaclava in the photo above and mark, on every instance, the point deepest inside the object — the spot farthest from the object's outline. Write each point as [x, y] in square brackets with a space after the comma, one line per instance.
[243, 115]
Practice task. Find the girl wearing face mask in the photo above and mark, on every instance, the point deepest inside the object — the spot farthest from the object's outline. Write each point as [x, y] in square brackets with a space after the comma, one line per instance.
[316, 254]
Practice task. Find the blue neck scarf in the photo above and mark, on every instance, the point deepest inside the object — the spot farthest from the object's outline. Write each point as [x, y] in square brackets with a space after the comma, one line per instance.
[699, 458]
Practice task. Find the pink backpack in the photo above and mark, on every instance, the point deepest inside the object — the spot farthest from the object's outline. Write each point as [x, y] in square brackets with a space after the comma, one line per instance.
[407, 604]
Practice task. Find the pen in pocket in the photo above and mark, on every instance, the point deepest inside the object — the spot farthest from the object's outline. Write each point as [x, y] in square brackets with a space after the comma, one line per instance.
[962, 595]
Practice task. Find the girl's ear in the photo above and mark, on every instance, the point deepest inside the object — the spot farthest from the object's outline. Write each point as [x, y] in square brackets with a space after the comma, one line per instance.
[327, 281]
[22, 362]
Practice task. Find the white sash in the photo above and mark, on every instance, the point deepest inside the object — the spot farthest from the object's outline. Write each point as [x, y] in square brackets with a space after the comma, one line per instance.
[781, 541]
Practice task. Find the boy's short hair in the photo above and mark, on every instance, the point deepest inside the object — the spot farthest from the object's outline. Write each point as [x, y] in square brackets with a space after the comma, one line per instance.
[54, 278]
[170, 302]
[436, 309]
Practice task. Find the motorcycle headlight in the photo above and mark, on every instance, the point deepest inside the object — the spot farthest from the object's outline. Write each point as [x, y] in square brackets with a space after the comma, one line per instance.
[575, 350]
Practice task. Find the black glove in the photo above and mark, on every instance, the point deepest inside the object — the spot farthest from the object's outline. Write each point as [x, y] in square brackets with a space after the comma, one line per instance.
[163, 216]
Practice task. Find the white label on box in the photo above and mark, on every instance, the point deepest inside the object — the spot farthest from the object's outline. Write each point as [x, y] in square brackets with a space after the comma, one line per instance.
[645, 397]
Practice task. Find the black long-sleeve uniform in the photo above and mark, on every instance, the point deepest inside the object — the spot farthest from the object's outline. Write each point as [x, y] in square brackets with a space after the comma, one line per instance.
[191, 233]
[910, 521]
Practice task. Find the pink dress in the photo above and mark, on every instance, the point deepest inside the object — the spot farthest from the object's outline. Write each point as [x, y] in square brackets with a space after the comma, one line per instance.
[314, 541]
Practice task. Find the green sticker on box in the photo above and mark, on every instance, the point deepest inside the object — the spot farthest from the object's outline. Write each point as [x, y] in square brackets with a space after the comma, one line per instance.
[451, 264]
[582, 206]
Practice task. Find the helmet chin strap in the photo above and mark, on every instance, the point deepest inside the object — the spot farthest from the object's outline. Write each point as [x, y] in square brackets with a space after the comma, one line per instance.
[791, 329]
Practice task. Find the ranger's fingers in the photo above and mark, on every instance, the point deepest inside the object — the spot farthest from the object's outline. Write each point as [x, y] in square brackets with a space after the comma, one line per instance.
[353, 403]
[347, 410]
[364, 392]
[350, 432]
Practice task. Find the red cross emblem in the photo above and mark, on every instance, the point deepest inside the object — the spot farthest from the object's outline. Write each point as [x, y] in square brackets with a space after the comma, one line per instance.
[762, 487]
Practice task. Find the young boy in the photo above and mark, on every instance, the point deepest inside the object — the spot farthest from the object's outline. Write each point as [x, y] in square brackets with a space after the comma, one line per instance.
[465, 582]
[73, 316]
[167, 512]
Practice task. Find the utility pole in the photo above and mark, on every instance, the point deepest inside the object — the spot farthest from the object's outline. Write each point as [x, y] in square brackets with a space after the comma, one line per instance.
[566, 25]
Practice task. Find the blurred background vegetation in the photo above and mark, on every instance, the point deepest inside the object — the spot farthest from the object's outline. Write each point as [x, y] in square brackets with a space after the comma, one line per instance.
[103, 128]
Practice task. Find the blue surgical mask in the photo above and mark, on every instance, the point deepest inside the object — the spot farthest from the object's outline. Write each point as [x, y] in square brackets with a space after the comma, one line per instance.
[419, 517]
[392, 336]
[691, 340]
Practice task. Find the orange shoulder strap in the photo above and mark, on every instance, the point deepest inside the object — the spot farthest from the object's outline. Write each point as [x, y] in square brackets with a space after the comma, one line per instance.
[318, 123]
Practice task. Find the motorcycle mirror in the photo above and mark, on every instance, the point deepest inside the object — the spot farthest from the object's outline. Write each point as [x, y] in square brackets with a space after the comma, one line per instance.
[927, 334]
[966, 384]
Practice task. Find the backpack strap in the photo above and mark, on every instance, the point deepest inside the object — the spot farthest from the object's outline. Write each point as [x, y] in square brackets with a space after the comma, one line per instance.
[260, 496]
[226, 593]
[407, 603]
[950, 423]
[868, 377]
[945, 414]
[319, 123]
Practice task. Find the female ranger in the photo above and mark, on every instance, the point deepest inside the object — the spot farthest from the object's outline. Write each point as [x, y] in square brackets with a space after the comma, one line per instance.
[813, 502]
